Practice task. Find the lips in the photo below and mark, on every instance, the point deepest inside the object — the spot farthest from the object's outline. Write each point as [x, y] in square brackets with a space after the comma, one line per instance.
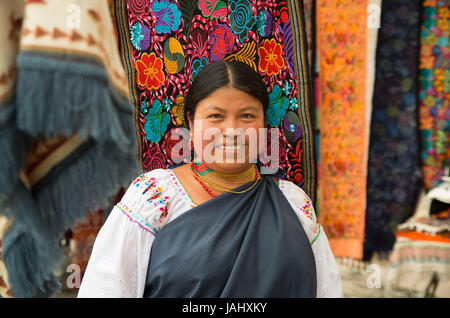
[232, 147]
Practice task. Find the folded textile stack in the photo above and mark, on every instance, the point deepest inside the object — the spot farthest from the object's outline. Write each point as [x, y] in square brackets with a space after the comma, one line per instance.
[421, 254]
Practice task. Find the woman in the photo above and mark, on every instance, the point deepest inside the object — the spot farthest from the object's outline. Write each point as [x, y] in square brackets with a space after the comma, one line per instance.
[215, 228]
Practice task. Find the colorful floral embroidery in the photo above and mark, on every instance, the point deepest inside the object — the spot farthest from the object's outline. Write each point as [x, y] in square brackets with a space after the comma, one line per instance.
[139, 7]
[264, 23]
[222, 41]
[270, 57]
[277, 107]
[168, 17]
[150, 71]
[178, 111]
[316, 233]
[241, 18]
[181, 189]
[156, 122]
[155, 158]
[197, 65]
[136, 218]
[161, 203]
[140, 36]
[307, 208]
[245, 55]
[213, 8]
[174, 58]
[151, 188]
[139, 180]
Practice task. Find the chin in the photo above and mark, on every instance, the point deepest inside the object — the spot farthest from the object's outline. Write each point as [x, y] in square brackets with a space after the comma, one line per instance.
[230, 167]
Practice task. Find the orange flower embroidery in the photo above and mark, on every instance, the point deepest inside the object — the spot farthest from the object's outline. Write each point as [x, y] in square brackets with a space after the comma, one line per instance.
[270, 57]
[150, 71]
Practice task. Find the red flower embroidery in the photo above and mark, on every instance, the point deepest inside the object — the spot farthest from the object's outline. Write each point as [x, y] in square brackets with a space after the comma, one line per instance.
[150, 71]
[270, 57]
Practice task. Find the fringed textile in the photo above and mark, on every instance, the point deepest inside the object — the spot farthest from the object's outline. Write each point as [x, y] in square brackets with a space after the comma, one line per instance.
[71, 108]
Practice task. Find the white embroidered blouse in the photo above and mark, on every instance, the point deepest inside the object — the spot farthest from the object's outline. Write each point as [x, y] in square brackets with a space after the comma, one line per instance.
[121, 253]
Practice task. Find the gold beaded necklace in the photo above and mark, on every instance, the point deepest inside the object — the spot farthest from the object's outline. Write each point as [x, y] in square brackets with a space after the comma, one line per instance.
[211, 178]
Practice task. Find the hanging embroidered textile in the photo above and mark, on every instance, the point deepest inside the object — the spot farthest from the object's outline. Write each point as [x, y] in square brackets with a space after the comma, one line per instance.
[173, 40]
[341, 48]
[393, 177]
[69, 107]
[434, 92]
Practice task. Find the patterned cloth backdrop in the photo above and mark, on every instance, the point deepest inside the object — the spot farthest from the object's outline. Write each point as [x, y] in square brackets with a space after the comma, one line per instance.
[342, 43]
[167, 42]
[434, 94]
[394, 178]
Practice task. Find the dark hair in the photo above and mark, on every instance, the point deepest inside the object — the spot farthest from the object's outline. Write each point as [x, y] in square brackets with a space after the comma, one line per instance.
[223, 73]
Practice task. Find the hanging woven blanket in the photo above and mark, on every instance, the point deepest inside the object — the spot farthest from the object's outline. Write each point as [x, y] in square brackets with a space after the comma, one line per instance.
[174, 40]
[434, 91]
[341, 47]
[394, 178]
[74, 130]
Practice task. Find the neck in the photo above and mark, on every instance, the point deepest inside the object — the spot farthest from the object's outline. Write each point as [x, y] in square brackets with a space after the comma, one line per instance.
[220, 181]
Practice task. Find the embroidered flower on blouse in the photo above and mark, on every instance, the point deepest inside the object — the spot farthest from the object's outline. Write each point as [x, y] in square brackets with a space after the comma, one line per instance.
[140, 179]
[307, 208]
[154, 219]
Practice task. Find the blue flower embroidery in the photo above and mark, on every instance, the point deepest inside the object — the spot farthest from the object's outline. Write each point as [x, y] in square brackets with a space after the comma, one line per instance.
[294, 103]
[168, 16]
[278, 105]
[140, 36]
[156, 122]
[287, 88]
[264, 23]
[167, 104]
[197, 65]
[241, 18]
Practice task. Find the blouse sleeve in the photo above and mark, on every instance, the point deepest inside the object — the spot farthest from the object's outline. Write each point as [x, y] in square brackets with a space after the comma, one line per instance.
[329, 283]
[119, 259]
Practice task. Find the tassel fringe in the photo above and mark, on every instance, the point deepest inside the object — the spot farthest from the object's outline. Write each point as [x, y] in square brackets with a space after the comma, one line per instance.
[61, 96]
[12, 149]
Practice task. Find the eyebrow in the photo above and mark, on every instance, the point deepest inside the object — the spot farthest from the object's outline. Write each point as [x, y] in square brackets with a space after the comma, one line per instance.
[251, 107]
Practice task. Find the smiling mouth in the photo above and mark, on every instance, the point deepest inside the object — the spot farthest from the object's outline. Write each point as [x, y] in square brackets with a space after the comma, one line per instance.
[231, 147]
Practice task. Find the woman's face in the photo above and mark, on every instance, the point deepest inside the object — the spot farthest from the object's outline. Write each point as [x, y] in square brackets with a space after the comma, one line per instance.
[226, 129]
